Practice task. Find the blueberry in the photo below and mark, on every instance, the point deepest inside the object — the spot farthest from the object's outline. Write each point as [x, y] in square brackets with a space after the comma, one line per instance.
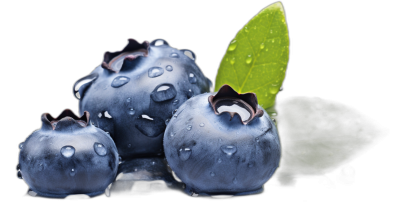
[139, 88]
[68, 156]
[232, 146]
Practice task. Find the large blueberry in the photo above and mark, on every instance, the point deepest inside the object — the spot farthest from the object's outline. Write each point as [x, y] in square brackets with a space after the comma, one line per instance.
[68, 156]
[134, 92]
[222, 144]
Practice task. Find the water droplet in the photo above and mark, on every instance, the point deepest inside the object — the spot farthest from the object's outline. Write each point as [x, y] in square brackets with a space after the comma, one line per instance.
[257, 139]
[155, 72]
[194, 194]
[262, 46]
[169, 68]
[175, 116]
[100, 149]
[201, 125]
[131, 111]
[40, 167]
[249, 59]
[67, 151]
[189, 93]
[273, 114]
[219, 160]
[270, 31]
[100, 115]
[107, 192]
[128, 100]
[229, 105]
[184, 154]
[234, 180]
[21, 145]
[273, 40]
[175, 102]
[233, 61]
[281, 89]
[245, 29]
[18, 167]
[250, 165]
[232, 45]
[273, 121]
[163, 92]
[19, 174]
[212, 174]
[173, 134]
[72, 172]
[274, 89]
[228, 149]
[174, 55]
[120, 81]
[167, 122]
[32, 193]
[189, 127]
[192, 78]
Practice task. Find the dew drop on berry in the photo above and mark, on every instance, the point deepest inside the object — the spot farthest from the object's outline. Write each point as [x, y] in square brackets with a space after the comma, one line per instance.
[120, 81]
[155, 72]
[184, 154]
[67, 151]
[19, 175]
[100, 149]
[163, 92]
[169, 68]
[228, 149]
[192, 78]
[174, 55]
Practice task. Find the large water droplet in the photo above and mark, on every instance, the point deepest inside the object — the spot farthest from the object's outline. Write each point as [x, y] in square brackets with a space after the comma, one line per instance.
[120, 81]
[150, 127]
[174, 55]
[233, 106]
[131, 111]
[100, 149]
[155, 72]
[169, 68]
[189, 127]
[184, 154]
[232, 45]
[21, 145]
[163, 92]
[192, 78]
[189, 54]
[249, 59]
[228, 149]
[67, 151]
[19, 174]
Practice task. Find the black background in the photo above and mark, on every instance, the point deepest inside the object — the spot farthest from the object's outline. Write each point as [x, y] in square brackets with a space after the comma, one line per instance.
[338, 51]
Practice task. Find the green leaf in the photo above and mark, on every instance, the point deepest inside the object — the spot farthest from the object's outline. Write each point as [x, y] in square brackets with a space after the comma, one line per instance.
[319, 135]
[256, 60]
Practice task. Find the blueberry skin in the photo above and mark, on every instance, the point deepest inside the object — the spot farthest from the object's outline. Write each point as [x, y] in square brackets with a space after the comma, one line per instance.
[51, 170]
[164, 68]
[225, 156]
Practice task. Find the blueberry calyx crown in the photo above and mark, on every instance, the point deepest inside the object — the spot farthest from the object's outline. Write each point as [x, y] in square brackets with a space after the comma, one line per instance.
[113, 61]
[227, 100]
[66, 121]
